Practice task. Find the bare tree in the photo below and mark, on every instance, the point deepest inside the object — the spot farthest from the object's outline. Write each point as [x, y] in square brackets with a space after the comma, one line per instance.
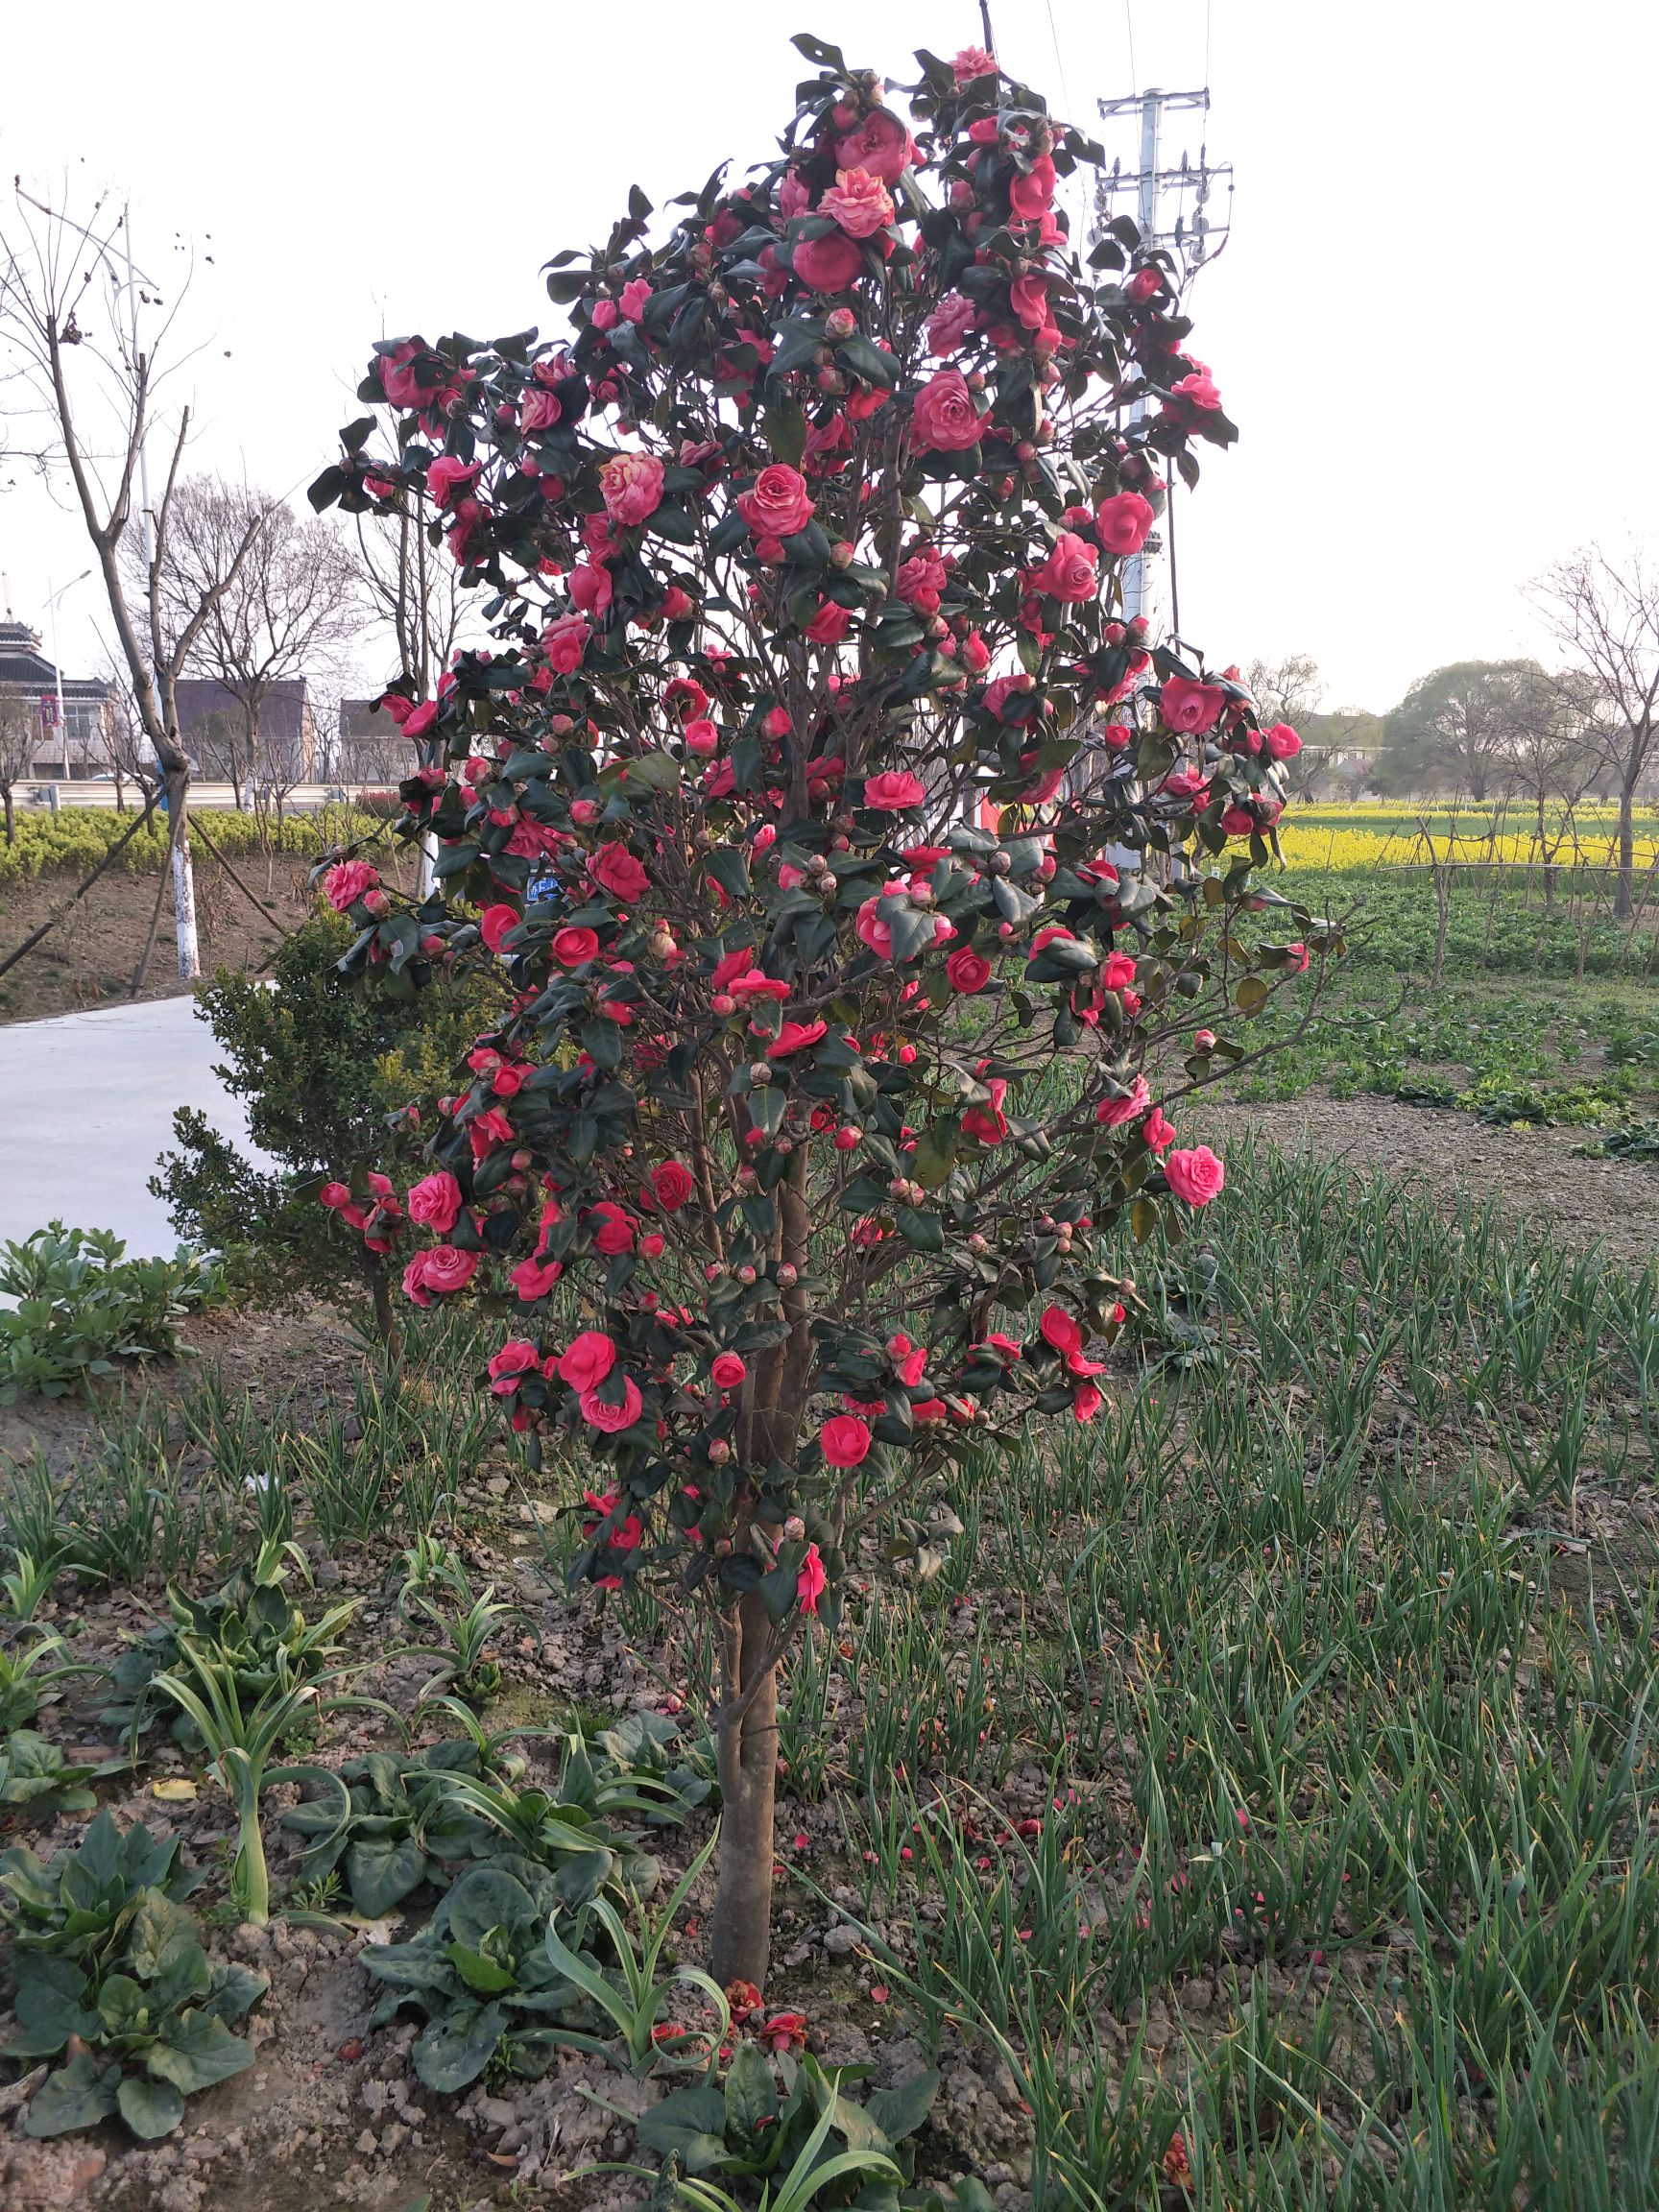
[126, 752]
[82, 332]
[1604, 613]
[290, 609]
[413, 591]
[19, 734]
[1287, 690]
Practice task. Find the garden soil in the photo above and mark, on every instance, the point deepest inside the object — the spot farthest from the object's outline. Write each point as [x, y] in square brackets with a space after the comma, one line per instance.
[1529, 1173]
[89, 959]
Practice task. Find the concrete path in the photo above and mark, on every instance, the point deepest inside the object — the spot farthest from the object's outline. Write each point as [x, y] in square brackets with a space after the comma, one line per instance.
[87, 1105]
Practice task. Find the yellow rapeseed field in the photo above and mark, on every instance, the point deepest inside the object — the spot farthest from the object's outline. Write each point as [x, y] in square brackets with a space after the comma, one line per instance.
[1347, 839]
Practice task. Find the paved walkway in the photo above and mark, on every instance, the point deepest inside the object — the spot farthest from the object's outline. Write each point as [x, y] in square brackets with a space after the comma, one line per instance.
[87, 1105]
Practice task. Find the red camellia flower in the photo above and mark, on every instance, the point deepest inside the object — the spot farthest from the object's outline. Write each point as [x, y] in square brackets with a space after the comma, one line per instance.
[968, 970]
[728, 1370]
[672, 1185]
[1124, 522]
[779, 504]
[590, 1359]
[796, 1037]
[1113, 1113]
[830, 624]
[609, 1227]
[616, 870]
[896, 791]
[347, 882]
[1196, 1177]
[1157, 1130]
[811, 1581]
[574, 947]
[845, 1440]
[534, 1277]
[1060, 1329]
[510, 1365]
[496, 922]
[1282, 741]
[1190, 706]
[880, 144]
[435, 1202]
[828, 264]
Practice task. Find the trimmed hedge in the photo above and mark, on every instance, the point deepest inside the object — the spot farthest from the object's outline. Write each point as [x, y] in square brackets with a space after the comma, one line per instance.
[78, 837]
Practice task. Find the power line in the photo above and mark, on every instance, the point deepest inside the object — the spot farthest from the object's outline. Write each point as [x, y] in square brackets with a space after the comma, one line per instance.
[1129, 29]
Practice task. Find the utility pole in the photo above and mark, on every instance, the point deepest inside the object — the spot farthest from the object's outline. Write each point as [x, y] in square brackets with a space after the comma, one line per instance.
[1190, 235]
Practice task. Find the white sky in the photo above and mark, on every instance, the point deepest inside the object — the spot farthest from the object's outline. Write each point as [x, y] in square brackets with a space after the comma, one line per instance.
[1434, 325]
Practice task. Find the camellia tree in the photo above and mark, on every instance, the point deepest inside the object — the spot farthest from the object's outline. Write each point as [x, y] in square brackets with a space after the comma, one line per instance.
[868, 890]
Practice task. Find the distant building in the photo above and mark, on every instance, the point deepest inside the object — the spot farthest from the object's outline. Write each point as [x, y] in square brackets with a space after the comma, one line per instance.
[372, 749]
[81, 746]
[214, 726]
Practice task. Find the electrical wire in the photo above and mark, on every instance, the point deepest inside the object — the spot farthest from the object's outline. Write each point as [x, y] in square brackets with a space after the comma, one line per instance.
[1059, 60]
[1129, 30]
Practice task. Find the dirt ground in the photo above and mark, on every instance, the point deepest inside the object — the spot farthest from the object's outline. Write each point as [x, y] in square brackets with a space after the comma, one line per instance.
[89, 959]
[1531, 1173]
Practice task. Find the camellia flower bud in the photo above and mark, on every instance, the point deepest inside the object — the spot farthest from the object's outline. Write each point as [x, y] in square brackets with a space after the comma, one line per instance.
[522, 1160]
[840, 322]
[843, 553]
[720, 1451]
[788, 1276]
[794, 1529]
[722, 1004]
[760, 1073]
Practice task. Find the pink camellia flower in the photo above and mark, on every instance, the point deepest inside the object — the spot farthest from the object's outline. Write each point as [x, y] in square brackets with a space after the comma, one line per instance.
[778, 504]
[845, 1440]
[880, 145]
[509, 1366]
[590, 1359]
[950, 323]
[1157, 1130]
[1113, 1113]
[631, 486]
[1203, 1040]
[671, 1184]
[635, 294]
[921, 580]
[445, 1269]
[348, 881]
[336, 1197]
[942, 418]
[811, 1581]
[828, 264]
[1031, 194]
[702, 739]
[447, 476]
[435, 1202]
[591, 587]
[1190, 706]
[830, 624]
[616, 870]
[1087, 1401]
[574, 947]
[729, 1371]
[564, 641]
[611, 1419]
[968, 970]
[1237, 821]
[858, 201]
[1282, 742]
[1119, 972]
[539, 410]
[896, 791]
[1071, 571]
[533, 1279]
[1198, 391]
[749, 990]
[972, 62]
[497, 924]
[1197, 1176]
[1124, 522]
[1145, 284]
[796, 1037]
[1299, 957]
[419, 720]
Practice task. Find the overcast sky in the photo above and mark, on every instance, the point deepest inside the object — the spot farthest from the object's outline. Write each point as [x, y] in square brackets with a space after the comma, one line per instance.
[1434, 323]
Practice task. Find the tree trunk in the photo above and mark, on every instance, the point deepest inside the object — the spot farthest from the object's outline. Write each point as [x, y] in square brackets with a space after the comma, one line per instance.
[10, 818]
[385, 1316]
[1623, 903]
[747, 1751]
[177, 784]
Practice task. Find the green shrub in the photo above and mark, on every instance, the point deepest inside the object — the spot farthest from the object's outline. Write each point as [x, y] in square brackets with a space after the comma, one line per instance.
[326, 1070]
[81, 1307]
[79, 837]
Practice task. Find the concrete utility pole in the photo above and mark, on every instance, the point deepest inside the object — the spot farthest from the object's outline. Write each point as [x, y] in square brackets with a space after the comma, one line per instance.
[1192, 237]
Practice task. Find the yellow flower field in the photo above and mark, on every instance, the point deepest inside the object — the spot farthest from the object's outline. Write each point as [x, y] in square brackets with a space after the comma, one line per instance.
[1346, 839]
